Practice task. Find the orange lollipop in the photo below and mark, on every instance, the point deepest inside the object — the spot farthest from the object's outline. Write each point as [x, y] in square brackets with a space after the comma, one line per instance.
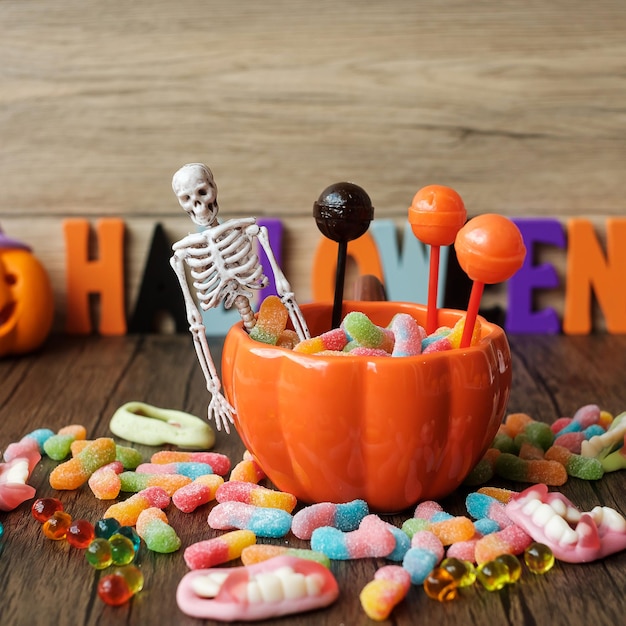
[490, 249]
[436, 215]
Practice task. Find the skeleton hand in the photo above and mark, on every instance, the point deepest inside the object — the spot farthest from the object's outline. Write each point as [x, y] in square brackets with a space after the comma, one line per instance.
[295, 314]
[220, 410]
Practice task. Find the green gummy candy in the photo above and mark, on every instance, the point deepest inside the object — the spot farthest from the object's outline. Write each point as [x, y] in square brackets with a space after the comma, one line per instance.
[130, 458]
[511, 467]
[161, 537]
[58, 447]
[131, 481]
[587, 468]
[504, 443]
[414, 525]
[482, 472]
[311, 555]
[539, 434]
[363, 330]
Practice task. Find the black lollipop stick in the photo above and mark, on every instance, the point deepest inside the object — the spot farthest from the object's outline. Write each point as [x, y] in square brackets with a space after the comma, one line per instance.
[343, 212]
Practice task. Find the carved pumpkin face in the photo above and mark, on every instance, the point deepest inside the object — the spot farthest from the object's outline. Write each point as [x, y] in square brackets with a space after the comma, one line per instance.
[26, 302]
[390, 431]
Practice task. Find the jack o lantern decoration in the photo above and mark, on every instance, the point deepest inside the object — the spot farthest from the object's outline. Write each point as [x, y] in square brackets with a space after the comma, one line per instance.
[26, 299]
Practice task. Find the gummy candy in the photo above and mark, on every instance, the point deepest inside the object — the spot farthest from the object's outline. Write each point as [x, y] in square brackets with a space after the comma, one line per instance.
[262, 552]
[137, 482]
[463, 572]
[80, 533]
[250, 493]
[57, 525]
[43, 508]
[114, 590]
[75, 472]
[106, 527]
[220, 463]
[538, 558]
[513, 565]
[153, 527]
[379, 597]
[344, 517]
[196, 493]
[210, 552]
[271, 321]
[126, 512]
[263, 521]
[493, 575]
[122, 549]
[371, 539]
[440, 585]
[425, 553]
[99, 554]
[130, 533]
[190, 469]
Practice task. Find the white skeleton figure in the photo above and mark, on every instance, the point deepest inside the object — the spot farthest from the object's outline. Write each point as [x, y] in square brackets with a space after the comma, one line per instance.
[224, 268]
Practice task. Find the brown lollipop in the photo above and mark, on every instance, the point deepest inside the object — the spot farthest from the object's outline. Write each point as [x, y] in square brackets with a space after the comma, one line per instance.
[343, 212]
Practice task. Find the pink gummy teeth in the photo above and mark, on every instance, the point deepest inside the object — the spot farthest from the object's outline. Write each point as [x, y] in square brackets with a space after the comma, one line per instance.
[279, 586]
[573, 536]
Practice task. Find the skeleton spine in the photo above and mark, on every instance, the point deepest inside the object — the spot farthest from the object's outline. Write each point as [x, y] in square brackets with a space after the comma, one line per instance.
[243, 306]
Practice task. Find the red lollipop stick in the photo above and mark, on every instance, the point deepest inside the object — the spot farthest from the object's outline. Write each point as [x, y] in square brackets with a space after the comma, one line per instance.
[490, 249]
[436, 215]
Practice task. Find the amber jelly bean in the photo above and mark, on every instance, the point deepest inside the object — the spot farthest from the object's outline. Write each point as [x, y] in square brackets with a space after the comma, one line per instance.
[440, 585]
[44, 508]
[538, 558]
[56, 526]
[493, 575]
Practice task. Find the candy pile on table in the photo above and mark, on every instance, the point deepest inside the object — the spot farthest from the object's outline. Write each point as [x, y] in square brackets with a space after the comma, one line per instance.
[503, 533]
[358, 335]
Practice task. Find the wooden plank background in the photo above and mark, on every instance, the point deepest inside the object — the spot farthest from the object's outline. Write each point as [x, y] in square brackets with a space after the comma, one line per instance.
[520, 106]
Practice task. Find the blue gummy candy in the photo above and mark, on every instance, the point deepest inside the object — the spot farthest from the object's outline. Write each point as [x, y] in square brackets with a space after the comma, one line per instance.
[331, 542]
[419, 562]
[193, 469]
[348, 516]
[593, 431]
[441, 516]
[41, 435]
[478, 504]
[267, 522]
[403, 544]
[486, 526]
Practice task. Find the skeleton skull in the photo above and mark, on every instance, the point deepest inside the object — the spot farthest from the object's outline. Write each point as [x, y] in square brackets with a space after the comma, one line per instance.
[196, 191]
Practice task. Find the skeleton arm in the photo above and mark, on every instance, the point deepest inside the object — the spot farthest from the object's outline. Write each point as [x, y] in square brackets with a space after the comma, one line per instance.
[219, 408]
[283, 287]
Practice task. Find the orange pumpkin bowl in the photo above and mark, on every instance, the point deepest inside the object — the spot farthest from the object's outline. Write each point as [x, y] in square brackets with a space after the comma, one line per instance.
[390, 431]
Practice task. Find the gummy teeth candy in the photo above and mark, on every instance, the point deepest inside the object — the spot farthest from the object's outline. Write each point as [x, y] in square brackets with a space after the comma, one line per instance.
[573, 536]
[280, 586]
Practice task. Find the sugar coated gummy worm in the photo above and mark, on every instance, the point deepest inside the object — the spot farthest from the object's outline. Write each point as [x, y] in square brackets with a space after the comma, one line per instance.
[222, 549]
[379, 597]
[344, 517]
[263, 521]
[251, 493]
[201, 491]
[127, 512]
[154, 528]
[76, 472]
[371, 539]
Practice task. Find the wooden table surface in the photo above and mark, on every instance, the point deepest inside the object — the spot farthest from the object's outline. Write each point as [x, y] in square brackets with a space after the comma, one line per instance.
[84, 380]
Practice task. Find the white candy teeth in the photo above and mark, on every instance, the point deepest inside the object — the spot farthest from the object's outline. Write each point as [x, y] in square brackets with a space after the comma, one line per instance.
[314, 584]
[608, 518]
[294, 583]
[543, 514]
[208, 586]
[530, 507]
[17, 473]
[283, 584]
[558, 530]
[270, 587]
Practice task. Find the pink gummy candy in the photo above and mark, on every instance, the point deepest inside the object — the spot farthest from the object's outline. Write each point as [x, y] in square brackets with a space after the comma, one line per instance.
[105, 482]
[219, 462]
[13, 487]
[201, 491]
[408, 335]
[573, 536]
[510, 540]
[222, 549]
[235, 595]
[127, 512]
[428, 541]
[379, 597]
[250, 493]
